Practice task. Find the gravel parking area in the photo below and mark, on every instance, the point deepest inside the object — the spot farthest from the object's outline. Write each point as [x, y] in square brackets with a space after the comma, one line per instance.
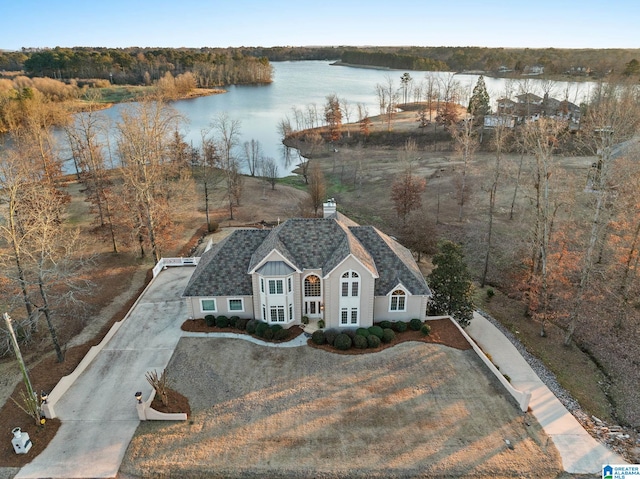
[414, 410]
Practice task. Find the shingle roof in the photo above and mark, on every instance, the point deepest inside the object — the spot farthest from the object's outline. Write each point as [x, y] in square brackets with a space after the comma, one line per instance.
[394, 262]
[319, 243]
[222, 271]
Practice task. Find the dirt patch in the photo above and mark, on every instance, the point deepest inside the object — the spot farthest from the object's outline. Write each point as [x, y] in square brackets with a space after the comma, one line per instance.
[414, 410]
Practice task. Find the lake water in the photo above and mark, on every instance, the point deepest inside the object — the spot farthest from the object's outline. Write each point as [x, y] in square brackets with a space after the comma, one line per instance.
[260, 109]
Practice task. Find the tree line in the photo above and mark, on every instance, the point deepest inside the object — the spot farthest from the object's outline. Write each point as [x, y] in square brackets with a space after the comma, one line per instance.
[212, 67]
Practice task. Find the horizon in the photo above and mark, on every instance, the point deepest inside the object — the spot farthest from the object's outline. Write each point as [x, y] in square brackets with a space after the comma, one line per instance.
[574, 25]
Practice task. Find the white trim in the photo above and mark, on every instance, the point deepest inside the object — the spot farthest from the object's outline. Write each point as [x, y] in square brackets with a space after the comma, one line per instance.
[391, 296]
[235, 310]
[374, 274]
[265, 260]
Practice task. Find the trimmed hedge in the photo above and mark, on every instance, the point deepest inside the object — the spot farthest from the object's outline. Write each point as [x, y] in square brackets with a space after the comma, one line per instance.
[399, 326]
[384, 324]
[342, 342]
[374, 341]
[222, 322]
[210, 319]
[281, 334]
[251, 326]
[376, 331]
[318, 337]
[261, 328]
[363, 332]
[268, 333]
[415, 324]
[241, 324]
[330, 335]
[233, 320]
[388, 335]
[360, 342]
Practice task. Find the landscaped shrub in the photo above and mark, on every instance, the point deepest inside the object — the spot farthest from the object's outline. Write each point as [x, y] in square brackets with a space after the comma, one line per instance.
[415, 324]
[426, 329]
[490, 293]
[360, 342]
[251, 326]
[321, 323]
[330, 335]
[350, 332]
[376, 331]
[210, 319]
[222, 322]
[268, 334]
[342, 342]
[388, 335]
[363, 332]
[374, 341]
[384, 324]
[399, 326]
[318, 337]
[261, 328]
[233, 320]
[281, 334]
[276, 327]
[241, 323]
[305, 320]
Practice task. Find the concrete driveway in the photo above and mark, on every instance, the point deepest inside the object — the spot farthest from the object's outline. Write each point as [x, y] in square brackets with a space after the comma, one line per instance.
[98, 412]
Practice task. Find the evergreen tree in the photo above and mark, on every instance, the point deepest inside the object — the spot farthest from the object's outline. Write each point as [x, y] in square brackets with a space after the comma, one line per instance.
[479, 103]
[451, 284]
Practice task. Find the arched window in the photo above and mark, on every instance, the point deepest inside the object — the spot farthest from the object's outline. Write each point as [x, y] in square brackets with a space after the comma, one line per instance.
[312, 286]
[398, 301]
[350, 284]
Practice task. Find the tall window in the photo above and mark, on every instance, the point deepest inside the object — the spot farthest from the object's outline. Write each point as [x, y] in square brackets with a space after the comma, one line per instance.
[276, 286]
[348, 316]
[277, 314]
[398, 301]
[350, 283]
[312, 285]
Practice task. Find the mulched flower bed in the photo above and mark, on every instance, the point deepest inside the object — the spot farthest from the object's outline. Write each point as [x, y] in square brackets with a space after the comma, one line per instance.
[176, 403]
[443, 331]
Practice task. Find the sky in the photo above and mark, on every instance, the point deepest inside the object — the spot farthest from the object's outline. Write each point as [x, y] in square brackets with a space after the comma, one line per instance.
[266, 23]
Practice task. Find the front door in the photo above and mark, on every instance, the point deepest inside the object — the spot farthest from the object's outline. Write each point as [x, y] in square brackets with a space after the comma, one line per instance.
[312, 308]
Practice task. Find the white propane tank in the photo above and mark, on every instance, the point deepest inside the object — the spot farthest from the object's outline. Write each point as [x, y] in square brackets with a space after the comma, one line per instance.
[21, 442]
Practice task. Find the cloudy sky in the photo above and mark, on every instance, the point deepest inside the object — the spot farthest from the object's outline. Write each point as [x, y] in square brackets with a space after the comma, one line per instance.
[215, 23]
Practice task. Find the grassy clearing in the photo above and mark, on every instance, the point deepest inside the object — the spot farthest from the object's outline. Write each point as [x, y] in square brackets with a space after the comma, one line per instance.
[118, 94]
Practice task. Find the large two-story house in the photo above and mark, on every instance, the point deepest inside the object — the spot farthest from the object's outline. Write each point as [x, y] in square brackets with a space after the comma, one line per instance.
[327, 268]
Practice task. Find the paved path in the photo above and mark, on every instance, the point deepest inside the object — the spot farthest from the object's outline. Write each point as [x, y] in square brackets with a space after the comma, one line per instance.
[98, 411]
[580, 452]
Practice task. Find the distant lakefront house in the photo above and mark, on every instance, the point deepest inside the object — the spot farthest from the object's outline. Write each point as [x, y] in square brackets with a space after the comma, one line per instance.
[530, 107]
[327, 268]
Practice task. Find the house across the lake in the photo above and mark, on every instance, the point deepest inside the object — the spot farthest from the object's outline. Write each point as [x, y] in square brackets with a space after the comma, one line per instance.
[327, 268]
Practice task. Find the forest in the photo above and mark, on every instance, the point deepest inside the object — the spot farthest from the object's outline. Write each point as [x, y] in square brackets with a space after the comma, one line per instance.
[136, 66]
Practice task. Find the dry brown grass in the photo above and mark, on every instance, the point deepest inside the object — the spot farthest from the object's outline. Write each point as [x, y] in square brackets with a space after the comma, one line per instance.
[414, 410]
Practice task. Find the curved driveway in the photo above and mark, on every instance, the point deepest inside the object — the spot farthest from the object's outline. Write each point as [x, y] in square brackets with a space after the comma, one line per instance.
[98, 412]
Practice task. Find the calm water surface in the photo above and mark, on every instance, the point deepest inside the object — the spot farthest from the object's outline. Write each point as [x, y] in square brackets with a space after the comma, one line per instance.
[298, 84]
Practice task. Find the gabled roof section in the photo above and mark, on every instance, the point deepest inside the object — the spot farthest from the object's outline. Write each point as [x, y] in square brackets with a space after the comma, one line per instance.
[394, 262]
[222, 271]
[313, 243]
